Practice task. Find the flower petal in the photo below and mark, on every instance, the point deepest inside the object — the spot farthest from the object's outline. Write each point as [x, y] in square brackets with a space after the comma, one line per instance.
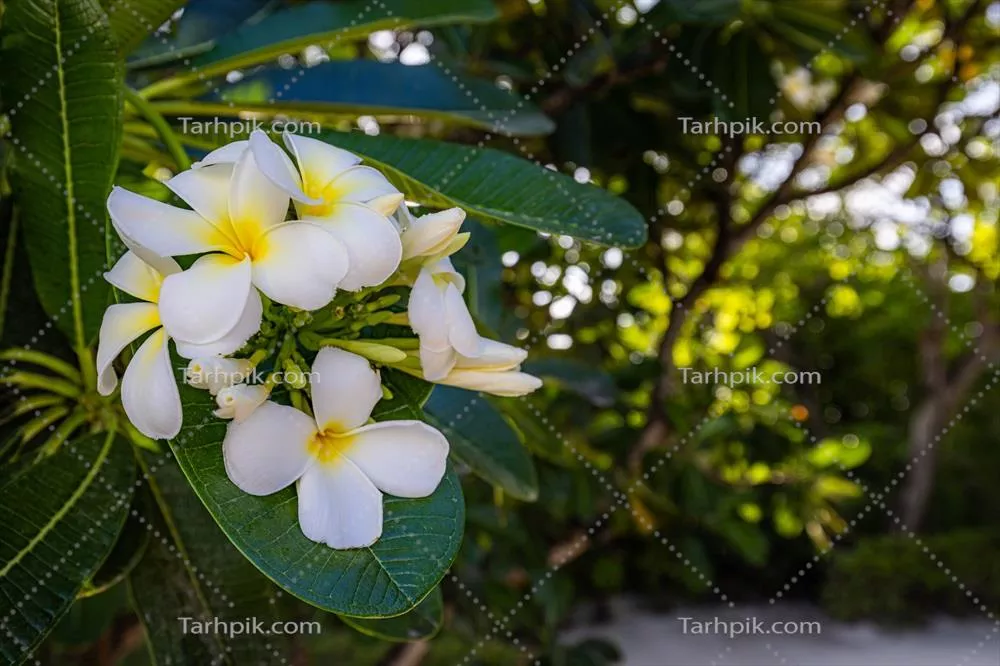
[206, 190]
[149, 390]
[268, 450]
[496, 356]
[122, 324]
[245, 328]
[228, 154]
[205, 302]
[255, 203]
[137, 278]
[319, 162]
[402, 458]
[365, 185]
[339, 506]
[299, 264]
[345, 390]
[434, 364]
[426, 310]
[278, 167]
[164, 230]
[462, 332]
[372, 242]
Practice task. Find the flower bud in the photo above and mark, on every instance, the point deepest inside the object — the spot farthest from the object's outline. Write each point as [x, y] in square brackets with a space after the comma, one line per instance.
[216, 372]
[238, 402]
[374, 351]
[429, 235]
[496, 370]
[508, 383]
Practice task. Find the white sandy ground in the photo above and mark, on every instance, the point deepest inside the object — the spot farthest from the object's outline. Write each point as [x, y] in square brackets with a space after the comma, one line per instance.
[656, 639]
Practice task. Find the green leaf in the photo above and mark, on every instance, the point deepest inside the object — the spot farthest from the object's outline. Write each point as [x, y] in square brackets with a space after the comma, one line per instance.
[497, 186]
[190, 570]
[743, 72]
[537, 435]
[21, 315]
[408, 397]
[419, 541]
[195, 32]
[293, 29]
[127, 551]
[705, 12]
[61, 60]
[134, 20]
[420, 623]
[480, 438]
[817, 27]
[367, 87]
[59, 519]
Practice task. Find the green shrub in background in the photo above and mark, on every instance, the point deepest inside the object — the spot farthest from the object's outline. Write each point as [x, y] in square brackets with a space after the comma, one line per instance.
[897, 580]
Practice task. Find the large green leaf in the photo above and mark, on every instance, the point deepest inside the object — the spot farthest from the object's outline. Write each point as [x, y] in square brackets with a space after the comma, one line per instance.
[192, 571]
[497, 186]
[367, 87]
[202, 22]
[419, 541]
[61, 64]
[134, 20]
[420, 623]
[295, 28]
[480, 438]
[59, 519]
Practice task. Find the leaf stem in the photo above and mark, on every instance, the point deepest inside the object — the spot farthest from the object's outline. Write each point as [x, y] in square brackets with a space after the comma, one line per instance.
[161, 126]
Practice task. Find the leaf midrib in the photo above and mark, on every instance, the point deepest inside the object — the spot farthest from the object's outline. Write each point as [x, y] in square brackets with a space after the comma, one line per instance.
[74, 268]
[66, 508]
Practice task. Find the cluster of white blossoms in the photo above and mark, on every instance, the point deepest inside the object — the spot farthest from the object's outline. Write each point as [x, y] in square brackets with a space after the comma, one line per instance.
[259, 274]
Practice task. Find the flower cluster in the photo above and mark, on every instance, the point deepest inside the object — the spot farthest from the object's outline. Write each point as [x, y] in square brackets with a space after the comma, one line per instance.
[259, 286]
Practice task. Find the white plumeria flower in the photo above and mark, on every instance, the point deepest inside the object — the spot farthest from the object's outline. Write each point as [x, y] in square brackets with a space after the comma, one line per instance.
[215, 373]
[149, 389]
[440, 318]
[495, 371]
[353, 202]
[239, 218]
[238, 402]
[431, 235]
[342, 466]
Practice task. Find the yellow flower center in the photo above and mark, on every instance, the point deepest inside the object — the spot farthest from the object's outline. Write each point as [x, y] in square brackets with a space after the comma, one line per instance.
[328, 446]
[324, 191]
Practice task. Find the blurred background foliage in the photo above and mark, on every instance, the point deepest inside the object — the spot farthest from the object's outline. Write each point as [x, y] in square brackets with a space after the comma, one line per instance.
[868, 252]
